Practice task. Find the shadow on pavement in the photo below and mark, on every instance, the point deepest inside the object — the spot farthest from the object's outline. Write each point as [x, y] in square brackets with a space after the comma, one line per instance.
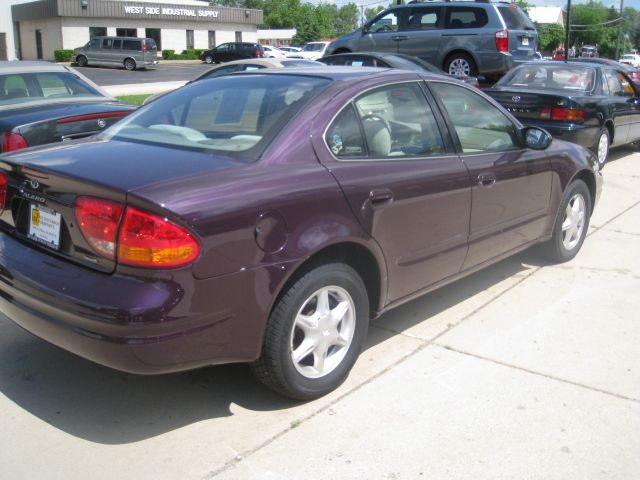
[106, 406]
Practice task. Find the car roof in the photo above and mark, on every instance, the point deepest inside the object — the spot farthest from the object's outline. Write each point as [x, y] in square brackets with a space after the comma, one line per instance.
[348, 74]
[22, 66]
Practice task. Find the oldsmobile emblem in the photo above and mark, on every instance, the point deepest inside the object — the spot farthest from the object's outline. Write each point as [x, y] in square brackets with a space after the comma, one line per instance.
[515, 98]
[34, 184]
[101, 123]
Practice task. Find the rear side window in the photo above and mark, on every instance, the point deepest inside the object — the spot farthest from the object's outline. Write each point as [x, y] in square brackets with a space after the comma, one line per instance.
[514, 18]
[21, 88]
[466, 17]
[131, 45]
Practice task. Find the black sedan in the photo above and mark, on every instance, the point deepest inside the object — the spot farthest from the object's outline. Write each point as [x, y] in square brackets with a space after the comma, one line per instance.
[593, 105]
[42, 102]
[390, 60]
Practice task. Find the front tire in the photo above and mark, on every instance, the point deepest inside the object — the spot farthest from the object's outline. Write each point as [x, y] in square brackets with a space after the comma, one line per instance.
[460, 64]
[82, 61]
[208, 59]
[572, 223]
[314, 333]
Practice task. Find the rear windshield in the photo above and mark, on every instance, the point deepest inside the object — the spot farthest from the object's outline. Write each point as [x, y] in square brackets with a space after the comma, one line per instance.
[236, 115]
[562, 76]
[313, 47]
[16, 88]
[514, 18]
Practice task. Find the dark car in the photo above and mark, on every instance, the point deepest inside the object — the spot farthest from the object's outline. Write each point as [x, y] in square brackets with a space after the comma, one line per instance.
[226, 52]
[632, 72]
[266, 217]
[390, 60]
[41, 102]
[461, 37]
[593, 105]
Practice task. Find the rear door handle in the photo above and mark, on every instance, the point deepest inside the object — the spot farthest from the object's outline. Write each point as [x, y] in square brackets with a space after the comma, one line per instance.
[380, 196]
[486, 180]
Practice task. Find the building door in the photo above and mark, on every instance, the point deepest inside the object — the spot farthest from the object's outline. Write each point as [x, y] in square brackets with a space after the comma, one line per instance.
[212, 38]
[38, 44]
[3, 46]
[238, 36]
[155, 34]
[190, 41]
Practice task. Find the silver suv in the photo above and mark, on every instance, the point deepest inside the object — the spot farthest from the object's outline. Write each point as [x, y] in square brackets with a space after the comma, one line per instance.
[127, 52]
[463, 38]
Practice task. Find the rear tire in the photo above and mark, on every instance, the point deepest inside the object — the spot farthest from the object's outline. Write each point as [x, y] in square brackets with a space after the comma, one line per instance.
[461, 64]
[601, 148]
[129, 64]
[315, 333]
[571, 225]
[81, 61]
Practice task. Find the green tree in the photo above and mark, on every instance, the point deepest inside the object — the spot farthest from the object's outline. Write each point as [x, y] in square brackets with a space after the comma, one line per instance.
[550, 36]
[347, 19]
[372, 12]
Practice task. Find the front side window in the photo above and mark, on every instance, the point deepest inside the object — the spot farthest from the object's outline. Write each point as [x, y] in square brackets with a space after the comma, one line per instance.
[387, 23]
[233, 115]
[391, 122]
[480, 126]
[95, 43]
[424, 18]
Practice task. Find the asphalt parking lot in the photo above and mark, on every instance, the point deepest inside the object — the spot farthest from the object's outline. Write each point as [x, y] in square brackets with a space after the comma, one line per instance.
[164, 72]
[522, 371]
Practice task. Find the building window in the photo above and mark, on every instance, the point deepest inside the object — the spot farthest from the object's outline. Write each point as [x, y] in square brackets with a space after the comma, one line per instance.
[155, 34]
[38, 44]
[212, 38]
[238, 36]
[97, 32]
[126, 32]
[190, 40]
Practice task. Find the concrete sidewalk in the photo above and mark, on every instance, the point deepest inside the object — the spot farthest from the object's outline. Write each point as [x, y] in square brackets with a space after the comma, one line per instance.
[522, 371]
[141, 88]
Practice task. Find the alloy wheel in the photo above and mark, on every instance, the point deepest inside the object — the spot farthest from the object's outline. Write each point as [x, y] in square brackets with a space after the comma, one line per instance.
[574, 221]
[322, 332]
[603, 148]
[460, 67]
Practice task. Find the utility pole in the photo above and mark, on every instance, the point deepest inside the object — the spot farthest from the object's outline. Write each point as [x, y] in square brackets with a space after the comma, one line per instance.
[568, 35]
[619, 31]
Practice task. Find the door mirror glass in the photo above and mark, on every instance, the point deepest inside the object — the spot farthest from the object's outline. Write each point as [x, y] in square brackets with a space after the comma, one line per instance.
[537, 138]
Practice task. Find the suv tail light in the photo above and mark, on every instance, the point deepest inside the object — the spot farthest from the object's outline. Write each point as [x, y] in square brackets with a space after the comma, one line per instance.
[98, 220]
[502, 41]
[258, 53]
[12, 141]
[3, 190]
[562, 114]
[140, 239]
[144, 45]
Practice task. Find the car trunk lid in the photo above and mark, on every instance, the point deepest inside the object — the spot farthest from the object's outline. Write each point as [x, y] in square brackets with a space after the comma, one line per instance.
[531, 104]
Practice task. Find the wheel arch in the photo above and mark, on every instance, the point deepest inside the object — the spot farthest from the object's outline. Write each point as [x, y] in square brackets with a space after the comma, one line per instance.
[354, 254]
[124, 62]
[609, 126]
[589, 179]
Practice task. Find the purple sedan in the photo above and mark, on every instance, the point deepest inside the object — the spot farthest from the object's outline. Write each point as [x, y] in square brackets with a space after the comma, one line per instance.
[267, 217]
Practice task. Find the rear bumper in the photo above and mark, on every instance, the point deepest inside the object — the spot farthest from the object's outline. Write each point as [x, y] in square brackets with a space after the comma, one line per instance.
[498, 63]
[169, 323]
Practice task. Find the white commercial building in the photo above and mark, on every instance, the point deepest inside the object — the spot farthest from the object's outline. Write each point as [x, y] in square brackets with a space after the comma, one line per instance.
[42, 26]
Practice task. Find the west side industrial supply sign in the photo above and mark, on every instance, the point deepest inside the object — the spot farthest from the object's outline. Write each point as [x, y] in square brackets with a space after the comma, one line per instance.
[183, 12]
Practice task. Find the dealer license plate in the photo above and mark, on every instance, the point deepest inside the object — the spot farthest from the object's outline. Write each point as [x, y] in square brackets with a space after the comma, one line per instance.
[44, 226]
[525, 41]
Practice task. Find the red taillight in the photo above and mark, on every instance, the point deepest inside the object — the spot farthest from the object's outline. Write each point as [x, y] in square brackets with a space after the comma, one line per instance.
[3, 190]
[258, 54]
[562, 114]
[502, 41]
[12, 141]
[149, 241]
[140, 239]
[92, 116]
[98, 221]
[144, 46]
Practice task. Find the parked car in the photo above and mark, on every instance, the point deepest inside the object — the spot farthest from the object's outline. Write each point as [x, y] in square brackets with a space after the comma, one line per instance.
[589, 51]
[462, 38]
[389, 60]
[266, 217]
[631, 59]
[246, 65]
[42, 102]
[273, 52]
[289, 48]
[226, 52]
[130, 53]
[590, 104]
[632, 72]
[310, 51]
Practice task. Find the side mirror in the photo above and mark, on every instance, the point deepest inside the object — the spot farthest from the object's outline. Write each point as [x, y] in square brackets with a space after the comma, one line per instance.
[537, 138]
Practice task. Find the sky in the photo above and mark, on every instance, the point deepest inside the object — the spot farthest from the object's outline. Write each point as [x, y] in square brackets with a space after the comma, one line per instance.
[538, 3]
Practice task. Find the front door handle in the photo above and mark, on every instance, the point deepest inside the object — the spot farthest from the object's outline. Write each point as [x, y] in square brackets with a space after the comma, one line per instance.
[399, 38]
[486, 180]
[380, 196]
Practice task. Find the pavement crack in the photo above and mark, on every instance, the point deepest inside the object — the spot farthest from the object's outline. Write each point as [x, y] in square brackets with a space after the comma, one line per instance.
[534, 372]
[615, 217]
